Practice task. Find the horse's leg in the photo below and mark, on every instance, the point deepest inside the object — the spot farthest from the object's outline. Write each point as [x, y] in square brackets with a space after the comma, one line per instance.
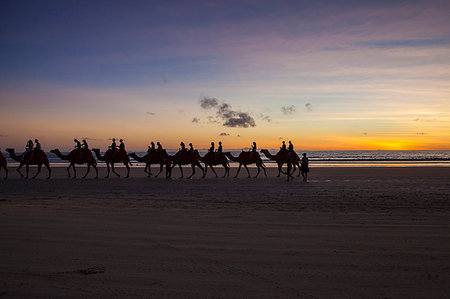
[38, 171]
[47, 165]
[239, 169]
[18, 169]
[128, 169]
[113, 170]
[88, 169]
[247, 170]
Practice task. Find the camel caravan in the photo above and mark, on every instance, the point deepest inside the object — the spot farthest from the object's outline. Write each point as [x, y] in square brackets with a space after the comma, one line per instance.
[81, 155]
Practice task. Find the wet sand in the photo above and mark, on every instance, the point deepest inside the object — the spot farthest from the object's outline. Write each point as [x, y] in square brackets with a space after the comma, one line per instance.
[348, 233]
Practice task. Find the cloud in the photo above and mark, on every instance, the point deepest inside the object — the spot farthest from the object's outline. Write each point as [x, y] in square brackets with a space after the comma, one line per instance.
[416, 119]
[288, 109]
[208, 103]
[404, 43]
[426, 120]
[196, 120]
[238, 135]
[224, 134]
[150, 113]
[229, 117]
[365, 133]
[280, 138]
[308, 107]
[265, 118]
[421, 133]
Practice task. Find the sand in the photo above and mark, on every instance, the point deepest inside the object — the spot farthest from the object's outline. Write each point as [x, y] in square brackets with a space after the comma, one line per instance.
[347, 233]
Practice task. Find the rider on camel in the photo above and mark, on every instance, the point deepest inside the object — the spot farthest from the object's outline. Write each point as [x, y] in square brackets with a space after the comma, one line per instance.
[183, 147]
[151, 148]
[219, 149]
[28, 148]
[160, 148]
[121, 145]
[291, 146]
[78, 144]
[191, 148]
[38, 145]
[211, 149]
[113, 145]
[283, 146]
[85, 145]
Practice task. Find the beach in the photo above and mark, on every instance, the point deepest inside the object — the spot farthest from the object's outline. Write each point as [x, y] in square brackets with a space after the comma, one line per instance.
[350, 232]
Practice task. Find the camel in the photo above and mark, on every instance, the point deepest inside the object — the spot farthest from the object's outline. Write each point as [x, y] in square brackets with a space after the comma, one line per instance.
[282, 157]
[3, 164]
[161, 158]
[114, 156]
[77, 156]
[31, 158]
[185, 158]
[246, 158]
[211, 159]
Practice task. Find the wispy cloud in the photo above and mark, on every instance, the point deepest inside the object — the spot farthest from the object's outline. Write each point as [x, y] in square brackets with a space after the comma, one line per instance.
[224, 134]
[308, 107]
[196, 120]
[150, 113]
[288, 109]
[404, 43]
[230, 117]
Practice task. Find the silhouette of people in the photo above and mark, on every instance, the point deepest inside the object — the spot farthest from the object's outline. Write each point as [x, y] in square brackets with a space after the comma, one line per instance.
[253, 147]
[85, 146]
[28, 148]
[219, 149]
[291, 146]
[37, 145]
[183, 147]
[151, 148]
[211, 149]
[191, 148]
[304, 167]
[113, 145]
[159, 146]
[121, 145]
[283, 146]
[78, 144]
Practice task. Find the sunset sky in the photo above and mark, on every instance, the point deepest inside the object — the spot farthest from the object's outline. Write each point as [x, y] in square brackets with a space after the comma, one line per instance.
[328, 75]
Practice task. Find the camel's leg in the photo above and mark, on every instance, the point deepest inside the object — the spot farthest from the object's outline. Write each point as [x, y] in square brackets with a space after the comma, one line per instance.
[38, 171]
[149, 170]
[227, 170]
[145, 169]
[161, 166]
[201, 167]
[206, 170]
[212, 170]
[88, 169]
[47, 165]
[74, 171]
[96, 171]
[248, 171]
[18, 169]
[181, 169]
[279, 169]
[107, 166]
[113, 170]
[299, 169]
[68, 170]
[28, 169]
[6, 169]
[128, 169]
[239, 169]
[193, 171]
[259, 170]
[168, 172]
[264, 168]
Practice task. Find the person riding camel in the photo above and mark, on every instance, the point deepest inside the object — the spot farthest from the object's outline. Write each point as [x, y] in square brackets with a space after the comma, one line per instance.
[191, 148]
[28, 148]
[37, 145]
[211, 149]
[121, 145]
[113, 145]
[183, 147]
[85, 145]
[253, 149]
[283, 146]
[219, 149]
[159, 148]
[78, 144]
[151, 148]
[291, 147]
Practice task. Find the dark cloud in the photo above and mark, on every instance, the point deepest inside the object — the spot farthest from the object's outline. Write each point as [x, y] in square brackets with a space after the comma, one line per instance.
[224, 134]
[238, 135]
[416, 119]
[421, 133]
[150, 113]
[212, 119]
[196, 120]
[229, 117]
[308, 107]
[288, 109]
[365, 133]
[208, 103]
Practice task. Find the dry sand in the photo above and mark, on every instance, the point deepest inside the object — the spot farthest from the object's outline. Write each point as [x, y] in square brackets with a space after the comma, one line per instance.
[348, 233]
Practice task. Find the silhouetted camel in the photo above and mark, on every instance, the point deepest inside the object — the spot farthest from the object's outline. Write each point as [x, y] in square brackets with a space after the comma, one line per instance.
[77, 156]
[246, 158]
[3, 164]
[161, 158]
[31, 158]
[211, 159]
[185, 158]
[282, 157]
[114, 156]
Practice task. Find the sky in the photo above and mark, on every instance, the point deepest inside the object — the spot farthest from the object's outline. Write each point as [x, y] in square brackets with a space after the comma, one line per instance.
[328, 75]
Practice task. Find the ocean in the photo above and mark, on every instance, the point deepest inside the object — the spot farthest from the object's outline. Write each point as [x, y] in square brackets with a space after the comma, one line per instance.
[379, 158]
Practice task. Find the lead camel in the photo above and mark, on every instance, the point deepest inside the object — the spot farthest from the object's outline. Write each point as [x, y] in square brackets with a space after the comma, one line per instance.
[3, 164]
[34, 157]
[114, 156]
[247, 158]
[80, 157]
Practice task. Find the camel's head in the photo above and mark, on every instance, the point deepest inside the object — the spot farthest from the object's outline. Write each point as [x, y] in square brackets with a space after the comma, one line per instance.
[10, 150]
[54, 151]
[264, 151]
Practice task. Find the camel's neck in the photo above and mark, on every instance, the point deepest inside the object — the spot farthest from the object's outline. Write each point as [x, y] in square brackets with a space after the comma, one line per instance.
[269, 155]
[231, 157]
[137, 158]
[98, 155]
[13, 156]
[60, 155]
